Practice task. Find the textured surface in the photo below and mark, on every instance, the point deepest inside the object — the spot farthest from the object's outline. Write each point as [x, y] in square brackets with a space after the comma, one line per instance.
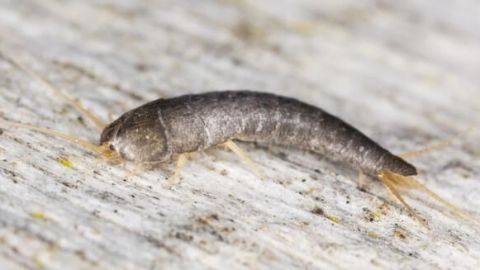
[404, 72]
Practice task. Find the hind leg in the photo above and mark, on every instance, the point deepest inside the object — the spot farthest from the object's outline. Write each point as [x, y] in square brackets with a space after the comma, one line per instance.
[175, 178]
[243, 156]
[171, 181]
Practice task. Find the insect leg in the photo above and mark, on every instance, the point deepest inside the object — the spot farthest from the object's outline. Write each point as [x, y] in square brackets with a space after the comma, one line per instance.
[175, 178]
[360, 180]
[137, 168]
[110, 117]
[243, 156]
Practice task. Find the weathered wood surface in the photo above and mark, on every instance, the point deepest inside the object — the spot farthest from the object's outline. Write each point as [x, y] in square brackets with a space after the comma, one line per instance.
[405, 72]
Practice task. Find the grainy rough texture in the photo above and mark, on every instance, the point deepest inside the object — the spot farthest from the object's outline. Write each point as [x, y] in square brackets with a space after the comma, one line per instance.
[161, 129]
[404, 72]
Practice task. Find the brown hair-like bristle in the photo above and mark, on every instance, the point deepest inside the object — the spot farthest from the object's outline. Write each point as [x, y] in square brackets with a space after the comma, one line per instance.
[395, 182]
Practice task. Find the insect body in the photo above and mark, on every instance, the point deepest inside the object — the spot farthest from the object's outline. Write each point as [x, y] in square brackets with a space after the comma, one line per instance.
[165, 128]
[158, 130]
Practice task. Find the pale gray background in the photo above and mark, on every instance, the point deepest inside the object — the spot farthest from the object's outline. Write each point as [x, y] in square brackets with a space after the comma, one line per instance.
[404, 72]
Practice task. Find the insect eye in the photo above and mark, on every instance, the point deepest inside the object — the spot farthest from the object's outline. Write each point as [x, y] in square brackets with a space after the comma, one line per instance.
[112, 147]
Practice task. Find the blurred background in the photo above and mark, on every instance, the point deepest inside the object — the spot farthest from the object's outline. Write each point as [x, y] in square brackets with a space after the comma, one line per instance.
[404, 72]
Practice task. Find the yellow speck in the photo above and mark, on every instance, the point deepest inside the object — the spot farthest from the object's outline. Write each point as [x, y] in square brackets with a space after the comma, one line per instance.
[64, 162]
[13, 163]
[42, 259]
[332, 218]
[39, 263]
[38, 215]
[372, 234]
[376, 215]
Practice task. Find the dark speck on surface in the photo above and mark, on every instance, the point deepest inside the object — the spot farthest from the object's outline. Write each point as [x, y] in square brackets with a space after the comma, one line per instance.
[318, 211]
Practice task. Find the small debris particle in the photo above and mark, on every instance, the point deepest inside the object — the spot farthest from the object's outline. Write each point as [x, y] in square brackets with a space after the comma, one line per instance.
[44, 257]
[362, 189]
[400, 233]
[318, 211]
[81, 121]
[141, 67]
[9, 172]
[207, 219]
[1, 131]
[183, 236]
[376, 263]
[384, 208]
[69, 185]
[372, 234]
[332, 218]
[65, 162]
[372, 215]
[39, 262]
[38, 215]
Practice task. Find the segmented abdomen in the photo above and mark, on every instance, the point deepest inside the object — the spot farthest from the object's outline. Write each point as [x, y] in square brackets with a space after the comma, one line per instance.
[197, 122]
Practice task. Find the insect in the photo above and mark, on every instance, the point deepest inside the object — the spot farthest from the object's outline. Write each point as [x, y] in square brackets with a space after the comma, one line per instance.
[167, 129]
